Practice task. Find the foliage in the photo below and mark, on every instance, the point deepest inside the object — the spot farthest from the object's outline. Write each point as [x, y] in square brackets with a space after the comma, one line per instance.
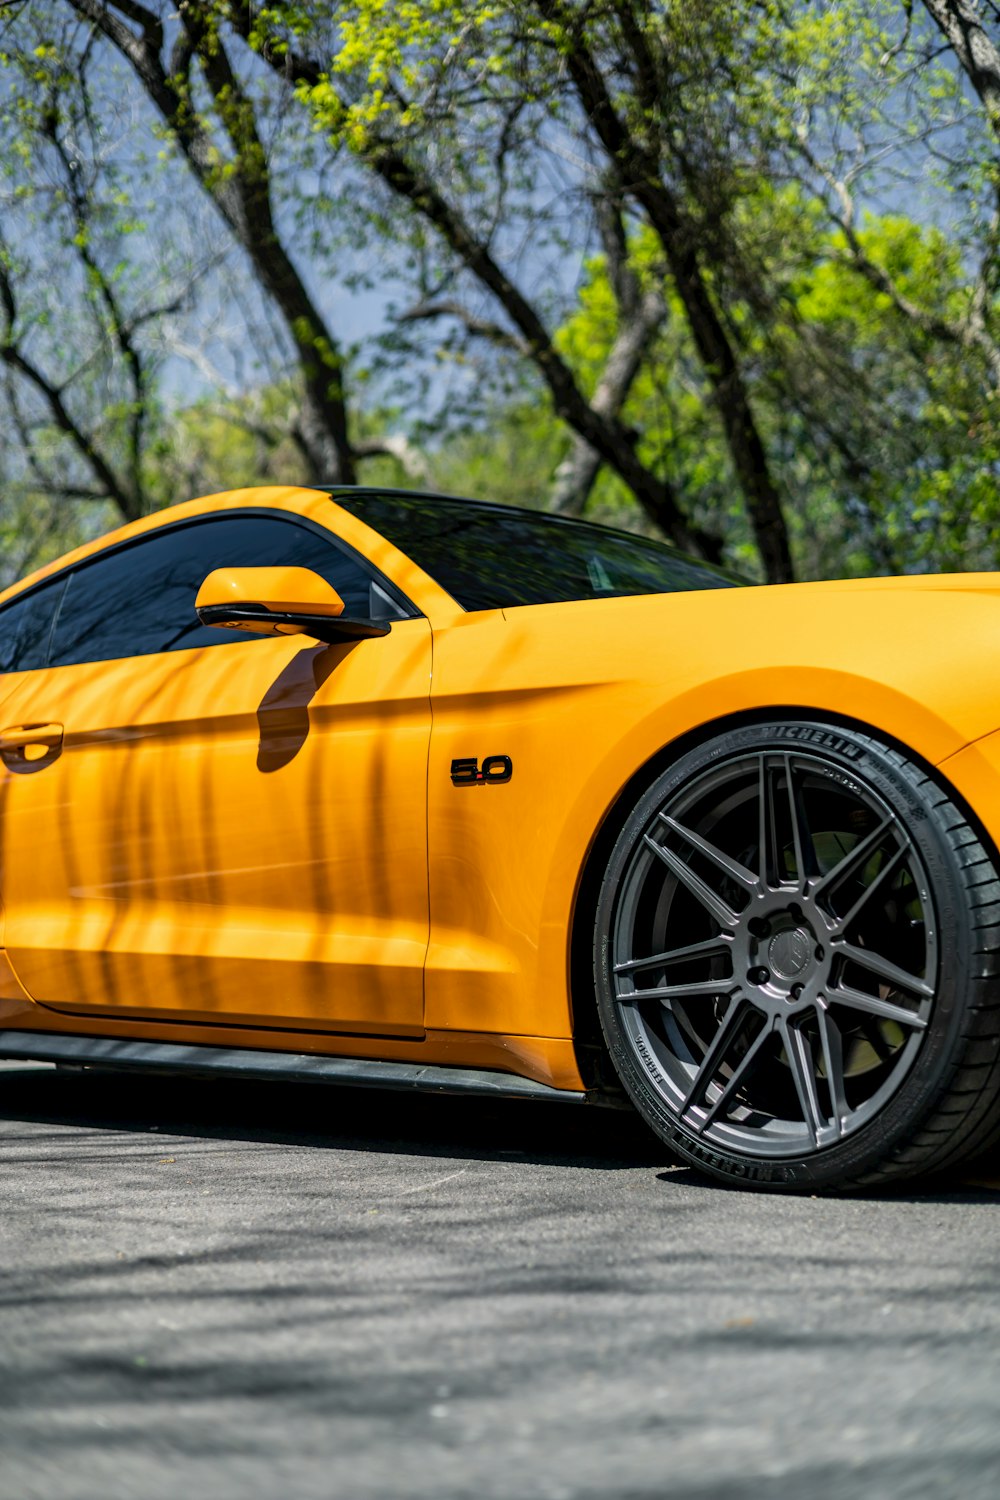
[729, 271]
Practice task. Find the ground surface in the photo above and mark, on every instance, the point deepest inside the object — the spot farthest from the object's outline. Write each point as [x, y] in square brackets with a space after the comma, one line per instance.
[255, 1291]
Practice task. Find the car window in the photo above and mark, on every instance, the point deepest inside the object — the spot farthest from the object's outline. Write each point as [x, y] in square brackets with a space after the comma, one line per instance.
[495, 556]
[25, 627]
[139, 599]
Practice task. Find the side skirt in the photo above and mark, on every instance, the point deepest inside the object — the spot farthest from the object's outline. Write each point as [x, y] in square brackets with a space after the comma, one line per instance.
[236, 1062]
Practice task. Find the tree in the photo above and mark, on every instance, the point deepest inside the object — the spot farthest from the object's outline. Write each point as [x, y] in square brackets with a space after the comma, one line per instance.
[80, 366]
[93, 185]
[663, 244]
[886, 448]
[211, 119]
[597, 75]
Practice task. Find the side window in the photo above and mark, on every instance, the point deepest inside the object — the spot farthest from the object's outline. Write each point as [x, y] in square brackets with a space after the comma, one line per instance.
[140, 600]
[25, 626]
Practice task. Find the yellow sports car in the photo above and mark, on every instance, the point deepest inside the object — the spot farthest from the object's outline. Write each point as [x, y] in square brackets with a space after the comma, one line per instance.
[401, 790]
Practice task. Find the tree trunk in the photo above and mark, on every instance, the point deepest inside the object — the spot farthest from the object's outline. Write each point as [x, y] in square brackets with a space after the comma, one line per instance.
[640, 172]
[962, 25]
[241, 190]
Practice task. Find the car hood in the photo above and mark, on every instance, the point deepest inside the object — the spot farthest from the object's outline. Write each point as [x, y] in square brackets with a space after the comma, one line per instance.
[916, 657]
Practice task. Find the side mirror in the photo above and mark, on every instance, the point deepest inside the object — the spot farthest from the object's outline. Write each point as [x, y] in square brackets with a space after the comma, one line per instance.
[279, 601]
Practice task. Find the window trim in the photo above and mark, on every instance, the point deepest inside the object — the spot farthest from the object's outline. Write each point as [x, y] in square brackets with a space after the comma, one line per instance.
[268, 512]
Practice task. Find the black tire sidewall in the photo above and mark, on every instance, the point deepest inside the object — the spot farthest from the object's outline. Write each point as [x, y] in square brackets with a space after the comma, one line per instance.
[929, 819]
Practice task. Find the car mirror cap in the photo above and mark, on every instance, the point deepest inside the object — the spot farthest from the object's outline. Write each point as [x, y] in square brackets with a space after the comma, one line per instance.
[279, 591]
[279, 601]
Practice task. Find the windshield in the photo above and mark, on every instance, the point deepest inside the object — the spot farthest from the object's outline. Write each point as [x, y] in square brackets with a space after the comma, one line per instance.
[495, 557]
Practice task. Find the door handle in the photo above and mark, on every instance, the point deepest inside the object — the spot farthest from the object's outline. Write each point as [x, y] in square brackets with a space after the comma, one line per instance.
[24, 737]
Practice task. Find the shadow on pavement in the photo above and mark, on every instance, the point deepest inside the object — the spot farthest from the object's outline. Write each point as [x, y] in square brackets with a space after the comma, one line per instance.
[330, 1117]
[376, 1120]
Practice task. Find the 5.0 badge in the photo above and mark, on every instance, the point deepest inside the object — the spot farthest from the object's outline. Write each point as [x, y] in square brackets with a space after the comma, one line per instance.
[494, 770]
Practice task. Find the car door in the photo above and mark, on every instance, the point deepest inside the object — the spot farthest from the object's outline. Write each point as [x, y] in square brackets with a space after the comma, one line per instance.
[208, 826]
[25, 625]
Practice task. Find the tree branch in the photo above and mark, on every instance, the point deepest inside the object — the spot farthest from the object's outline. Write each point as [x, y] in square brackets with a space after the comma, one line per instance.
[971, 333]
[979, 56]
[241, 191]
[398, 446]
[14, 357]
[121, 331]
[575, 477]
[410, 182]
[641, 177]
[480, 328]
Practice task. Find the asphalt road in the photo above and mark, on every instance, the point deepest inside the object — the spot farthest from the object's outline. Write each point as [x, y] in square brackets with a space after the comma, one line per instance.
[221, 1290]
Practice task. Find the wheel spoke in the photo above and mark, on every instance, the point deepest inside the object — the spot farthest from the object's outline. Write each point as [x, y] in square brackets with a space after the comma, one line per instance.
[739, 873]
[700, 891]
[891, 973]
[872, 1005]
[772, 871]
[731, 1027]
[736, 1079]
[832, 1044]
[889, 868]
[709, 989]
[767, 842]
[801, 838]
[853, 858]
[710, 948]
[800, 1061]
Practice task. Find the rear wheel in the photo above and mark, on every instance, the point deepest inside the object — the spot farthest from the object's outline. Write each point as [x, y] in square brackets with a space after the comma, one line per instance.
[796, 960]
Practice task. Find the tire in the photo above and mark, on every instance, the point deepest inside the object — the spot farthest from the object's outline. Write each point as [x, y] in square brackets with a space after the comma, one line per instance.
[796, 963]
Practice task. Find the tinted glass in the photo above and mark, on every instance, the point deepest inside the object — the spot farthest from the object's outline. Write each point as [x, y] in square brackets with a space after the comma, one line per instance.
[25, 626]
[140, 600]
[491, 556]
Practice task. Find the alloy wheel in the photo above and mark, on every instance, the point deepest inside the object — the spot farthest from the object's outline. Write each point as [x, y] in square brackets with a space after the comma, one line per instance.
[774, 953]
